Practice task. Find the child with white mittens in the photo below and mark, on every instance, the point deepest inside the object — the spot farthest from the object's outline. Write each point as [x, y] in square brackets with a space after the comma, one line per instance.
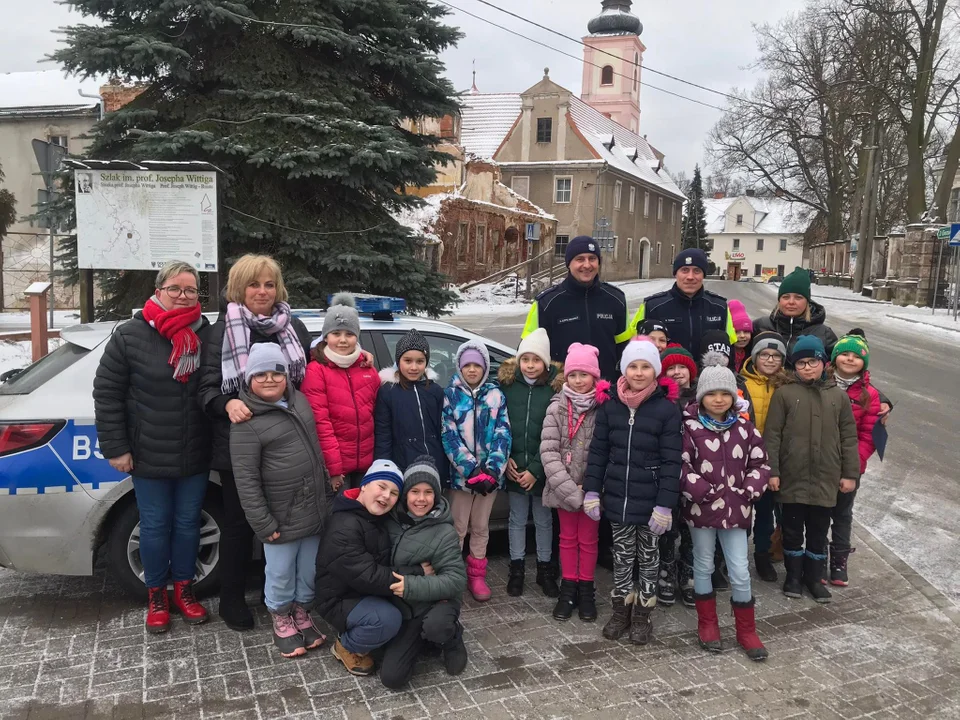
[564, 448]
[725, 472]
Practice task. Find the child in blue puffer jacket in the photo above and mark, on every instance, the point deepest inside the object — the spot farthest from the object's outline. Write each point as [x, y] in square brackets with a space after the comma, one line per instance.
[476, 438]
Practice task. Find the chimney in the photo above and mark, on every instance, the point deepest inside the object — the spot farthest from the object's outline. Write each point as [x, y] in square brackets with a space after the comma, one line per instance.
[719, 195]
[115, 94]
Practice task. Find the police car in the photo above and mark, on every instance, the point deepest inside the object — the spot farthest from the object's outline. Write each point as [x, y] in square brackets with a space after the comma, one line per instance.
[61, 502]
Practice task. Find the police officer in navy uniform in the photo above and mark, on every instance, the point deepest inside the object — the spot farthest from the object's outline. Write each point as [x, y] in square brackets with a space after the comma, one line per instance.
[687, 309]
[582, 309]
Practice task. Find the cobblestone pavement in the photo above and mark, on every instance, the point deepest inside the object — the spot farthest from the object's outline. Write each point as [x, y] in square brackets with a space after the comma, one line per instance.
[888, 647]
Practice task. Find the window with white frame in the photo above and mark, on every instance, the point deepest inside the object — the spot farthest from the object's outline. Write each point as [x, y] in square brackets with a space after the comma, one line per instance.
[520, 184]
[646, 204]
[783, 244]
[544, 130]
[563, 189]
[481, 244]
[633, 199]
[659, 209]
[629, 249]
[759, 244]
[736, 243]
[617, 193]
[673, 214]
[739, 219]
[560, 245]
[60, 140]
[659, 248]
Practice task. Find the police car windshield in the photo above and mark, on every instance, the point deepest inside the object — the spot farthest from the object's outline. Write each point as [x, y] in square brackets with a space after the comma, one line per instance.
[43, 370]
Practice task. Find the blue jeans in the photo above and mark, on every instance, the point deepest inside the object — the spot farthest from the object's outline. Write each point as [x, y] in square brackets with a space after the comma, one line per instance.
[372, 623]
[734, 544]
[169, 527]
[520, 504]
[290, 573]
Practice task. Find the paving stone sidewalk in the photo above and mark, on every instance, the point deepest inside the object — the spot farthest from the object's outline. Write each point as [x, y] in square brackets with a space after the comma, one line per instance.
[888, 647]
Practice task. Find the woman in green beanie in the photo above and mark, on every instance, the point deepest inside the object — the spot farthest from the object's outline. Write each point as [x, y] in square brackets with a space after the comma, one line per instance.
[796, 314]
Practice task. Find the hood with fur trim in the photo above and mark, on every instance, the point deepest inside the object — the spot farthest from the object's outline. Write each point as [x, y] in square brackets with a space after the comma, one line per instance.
[391, 375]
[509, 373]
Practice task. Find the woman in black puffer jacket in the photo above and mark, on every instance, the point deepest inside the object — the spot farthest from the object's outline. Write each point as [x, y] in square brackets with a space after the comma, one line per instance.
[150, 424]
[796, 314]
[257, 311]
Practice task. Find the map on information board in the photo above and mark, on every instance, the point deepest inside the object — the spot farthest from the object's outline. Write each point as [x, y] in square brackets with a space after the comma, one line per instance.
[141, 220]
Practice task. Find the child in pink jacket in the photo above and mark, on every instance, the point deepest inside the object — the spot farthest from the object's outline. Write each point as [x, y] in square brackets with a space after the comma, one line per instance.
[850, 360]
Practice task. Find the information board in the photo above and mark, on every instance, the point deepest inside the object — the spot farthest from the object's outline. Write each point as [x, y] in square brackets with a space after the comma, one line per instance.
[141, 220]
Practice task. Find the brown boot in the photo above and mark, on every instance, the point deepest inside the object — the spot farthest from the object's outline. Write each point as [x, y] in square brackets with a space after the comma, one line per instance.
[355, 663]
[641, 631]
[619, 622]
[776, 547]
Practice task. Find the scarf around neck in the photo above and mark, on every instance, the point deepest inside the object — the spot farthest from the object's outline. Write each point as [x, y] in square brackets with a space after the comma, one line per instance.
[239, 322]
[580, 402]
[342, 361]
[178, 325]
[717, 425]
[843, 383]
[633, 398]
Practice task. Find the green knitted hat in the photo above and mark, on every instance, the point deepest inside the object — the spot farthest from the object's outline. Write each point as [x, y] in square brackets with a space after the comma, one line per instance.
[796, 282]
[854, 344]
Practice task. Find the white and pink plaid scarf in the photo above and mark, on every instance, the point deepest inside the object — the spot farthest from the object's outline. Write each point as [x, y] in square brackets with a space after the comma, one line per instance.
[239, 321]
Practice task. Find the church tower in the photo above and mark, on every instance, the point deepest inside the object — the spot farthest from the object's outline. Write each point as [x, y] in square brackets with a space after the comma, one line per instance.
[612, 63]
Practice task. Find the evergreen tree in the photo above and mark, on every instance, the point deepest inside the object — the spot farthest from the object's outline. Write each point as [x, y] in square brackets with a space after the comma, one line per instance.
[299, 103]
[8, 211]
[694, 230]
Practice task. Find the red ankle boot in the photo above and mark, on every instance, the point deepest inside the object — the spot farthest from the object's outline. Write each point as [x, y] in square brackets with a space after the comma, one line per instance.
[158, 610]
[192, 611]
[708, 624]
[747, 630]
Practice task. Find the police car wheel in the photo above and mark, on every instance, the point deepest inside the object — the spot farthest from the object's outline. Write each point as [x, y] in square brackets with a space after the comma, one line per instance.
[123, 548]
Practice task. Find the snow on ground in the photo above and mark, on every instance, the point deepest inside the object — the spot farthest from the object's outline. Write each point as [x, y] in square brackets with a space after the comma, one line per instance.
[503, 295]
[10, 321]
[17, 354]
[851, 306]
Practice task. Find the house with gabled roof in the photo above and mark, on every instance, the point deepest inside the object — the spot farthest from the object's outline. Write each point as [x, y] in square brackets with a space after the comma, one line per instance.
[582, 159]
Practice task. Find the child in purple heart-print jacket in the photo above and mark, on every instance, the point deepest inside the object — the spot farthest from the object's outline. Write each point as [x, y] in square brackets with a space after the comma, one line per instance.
[724, 473]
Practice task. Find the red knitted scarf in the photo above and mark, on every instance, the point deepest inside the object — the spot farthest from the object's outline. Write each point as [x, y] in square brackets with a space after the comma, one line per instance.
[175, 326]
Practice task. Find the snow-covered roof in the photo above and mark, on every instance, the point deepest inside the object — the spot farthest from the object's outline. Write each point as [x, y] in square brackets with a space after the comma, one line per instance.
[774, 216]
[421, 220]
[485, 121]
[487, 118]
[45, 91]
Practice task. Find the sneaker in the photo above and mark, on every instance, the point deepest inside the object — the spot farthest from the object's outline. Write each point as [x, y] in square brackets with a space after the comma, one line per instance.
[355, 663]
[312, 637]
[286, 637]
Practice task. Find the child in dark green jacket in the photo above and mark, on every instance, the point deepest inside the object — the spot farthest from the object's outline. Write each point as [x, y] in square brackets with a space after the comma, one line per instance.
[529, 382]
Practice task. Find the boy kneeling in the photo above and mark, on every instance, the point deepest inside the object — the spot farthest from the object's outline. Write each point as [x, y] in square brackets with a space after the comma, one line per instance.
[422, 532]
[354, 572]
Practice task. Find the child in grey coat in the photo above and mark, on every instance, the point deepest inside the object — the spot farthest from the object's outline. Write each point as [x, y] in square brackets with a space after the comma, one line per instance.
[281, 477]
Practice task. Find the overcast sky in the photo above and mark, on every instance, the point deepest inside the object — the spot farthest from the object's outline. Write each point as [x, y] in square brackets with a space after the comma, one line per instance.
[708, 42]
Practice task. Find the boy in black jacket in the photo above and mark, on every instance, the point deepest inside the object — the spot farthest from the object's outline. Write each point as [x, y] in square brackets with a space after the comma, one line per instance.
[353, 569]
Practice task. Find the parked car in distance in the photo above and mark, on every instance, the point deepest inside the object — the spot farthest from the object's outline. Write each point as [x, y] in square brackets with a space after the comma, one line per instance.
[61, 501]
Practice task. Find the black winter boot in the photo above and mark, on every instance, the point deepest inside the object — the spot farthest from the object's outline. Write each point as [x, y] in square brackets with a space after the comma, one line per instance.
[587, 600]
[515, 581]
[765, 569]
[641, 627]
[567, 601]
[234, 611]
[455, 653]
[619, 621]
[685, 582]
[838, 567]
[813, 574]
[793, 584]
[667, 578]
[547, 579]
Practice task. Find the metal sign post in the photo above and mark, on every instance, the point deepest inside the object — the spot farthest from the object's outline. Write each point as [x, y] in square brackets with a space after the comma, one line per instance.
[954, 230]
[49, 158]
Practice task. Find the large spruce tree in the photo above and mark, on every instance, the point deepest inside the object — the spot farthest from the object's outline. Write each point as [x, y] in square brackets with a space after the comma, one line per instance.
[300, 103]
[694, 230]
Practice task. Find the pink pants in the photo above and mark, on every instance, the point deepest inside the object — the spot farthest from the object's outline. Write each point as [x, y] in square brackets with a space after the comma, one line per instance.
[579, 538]
[471, 514]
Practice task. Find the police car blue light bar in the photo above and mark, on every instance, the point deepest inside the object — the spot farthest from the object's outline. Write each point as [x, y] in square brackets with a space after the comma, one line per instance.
[372, 304]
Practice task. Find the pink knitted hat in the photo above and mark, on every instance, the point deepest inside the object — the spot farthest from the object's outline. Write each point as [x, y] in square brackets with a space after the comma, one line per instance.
[741, 320]
[582, 357]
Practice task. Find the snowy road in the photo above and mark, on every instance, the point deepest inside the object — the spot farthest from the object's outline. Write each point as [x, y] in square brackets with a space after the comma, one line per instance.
[911, 501]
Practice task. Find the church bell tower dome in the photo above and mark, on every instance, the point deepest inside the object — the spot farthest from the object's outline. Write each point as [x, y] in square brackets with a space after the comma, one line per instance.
[615, 19]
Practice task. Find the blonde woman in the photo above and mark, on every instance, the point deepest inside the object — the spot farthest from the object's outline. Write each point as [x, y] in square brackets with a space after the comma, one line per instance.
[256, 312]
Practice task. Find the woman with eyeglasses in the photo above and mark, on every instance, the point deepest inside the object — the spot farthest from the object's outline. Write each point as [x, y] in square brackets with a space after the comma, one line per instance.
[151, 426]
[256, 312]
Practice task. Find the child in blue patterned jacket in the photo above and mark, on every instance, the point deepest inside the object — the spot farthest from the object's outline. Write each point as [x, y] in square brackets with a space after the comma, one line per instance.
[476, 438]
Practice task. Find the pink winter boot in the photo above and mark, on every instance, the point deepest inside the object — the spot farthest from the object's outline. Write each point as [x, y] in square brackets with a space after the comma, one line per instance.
[477, 578]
